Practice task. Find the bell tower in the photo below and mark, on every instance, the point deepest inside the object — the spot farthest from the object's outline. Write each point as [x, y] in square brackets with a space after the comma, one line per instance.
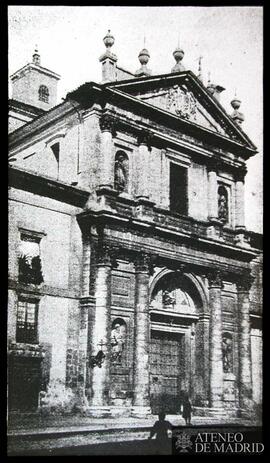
[35, 85]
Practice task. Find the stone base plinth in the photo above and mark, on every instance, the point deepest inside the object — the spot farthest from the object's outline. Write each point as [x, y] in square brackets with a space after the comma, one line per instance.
[98, 411]
[140, 412]
[248, 414]
[219, 412]
[120, 410]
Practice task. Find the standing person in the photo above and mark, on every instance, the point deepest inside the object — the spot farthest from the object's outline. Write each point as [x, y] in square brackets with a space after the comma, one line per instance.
[161, 429]
[187, 409]
[155, 396]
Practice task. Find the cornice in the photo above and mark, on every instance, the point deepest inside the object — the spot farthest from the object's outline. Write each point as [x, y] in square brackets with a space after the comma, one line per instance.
[32, 66]
[170, 120]
[47, 187]
[34, 127]
[198, 88]
[111, 220]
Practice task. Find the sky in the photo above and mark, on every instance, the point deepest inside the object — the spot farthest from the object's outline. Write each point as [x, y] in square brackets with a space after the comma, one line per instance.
[230, 40]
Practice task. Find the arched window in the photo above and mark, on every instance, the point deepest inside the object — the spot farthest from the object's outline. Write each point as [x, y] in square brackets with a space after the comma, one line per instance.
[121, 171]
[43, 93]
[223, 207]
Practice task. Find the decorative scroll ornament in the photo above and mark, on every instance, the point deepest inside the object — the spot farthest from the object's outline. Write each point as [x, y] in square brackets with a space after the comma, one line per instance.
[145, 138]
[144, 263]
[107, 123]
[215, 279]
[240, 174]
[107, 255]
[214, 165]
[244, 283]
[182, 103]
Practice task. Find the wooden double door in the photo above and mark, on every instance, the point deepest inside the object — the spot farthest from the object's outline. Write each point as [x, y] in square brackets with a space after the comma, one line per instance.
[166, 371]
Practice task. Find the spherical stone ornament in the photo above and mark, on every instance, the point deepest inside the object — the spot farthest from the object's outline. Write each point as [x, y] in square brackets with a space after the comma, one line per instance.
[211, 88]
[144, 56]
[109, 39]
[236, 103]
[178, 54]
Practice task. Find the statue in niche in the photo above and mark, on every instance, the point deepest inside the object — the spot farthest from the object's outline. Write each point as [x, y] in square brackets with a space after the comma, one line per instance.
[118, 335]
[120, 172]
[167, 299]
[227, 354]
[222, 204]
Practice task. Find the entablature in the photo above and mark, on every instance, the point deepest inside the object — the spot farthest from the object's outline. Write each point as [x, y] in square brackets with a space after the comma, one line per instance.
[172, 139]
[187, 237]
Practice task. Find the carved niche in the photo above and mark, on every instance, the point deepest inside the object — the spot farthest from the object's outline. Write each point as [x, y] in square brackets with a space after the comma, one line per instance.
[121, 171]
[223, 206]
[118, 340]
[227, 352]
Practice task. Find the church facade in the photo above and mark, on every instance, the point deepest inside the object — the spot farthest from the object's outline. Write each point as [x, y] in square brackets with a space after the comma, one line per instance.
[132, 277]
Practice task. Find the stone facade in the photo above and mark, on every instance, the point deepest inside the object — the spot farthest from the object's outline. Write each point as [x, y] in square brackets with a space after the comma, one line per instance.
[139, 303]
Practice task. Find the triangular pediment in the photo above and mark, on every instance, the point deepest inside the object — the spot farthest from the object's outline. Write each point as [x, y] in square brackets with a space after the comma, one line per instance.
[182, 102]
[183, 95]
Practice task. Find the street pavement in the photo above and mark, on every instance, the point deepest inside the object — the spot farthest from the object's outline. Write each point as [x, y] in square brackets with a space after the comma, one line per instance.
[78, 435]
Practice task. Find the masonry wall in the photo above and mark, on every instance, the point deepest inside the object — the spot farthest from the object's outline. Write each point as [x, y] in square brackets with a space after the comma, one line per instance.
[26, 88]
[58, 295]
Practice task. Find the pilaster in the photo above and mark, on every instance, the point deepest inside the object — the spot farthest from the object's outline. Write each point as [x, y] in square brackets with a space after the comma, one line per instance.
[215, 339]
[141, 402]
[245, 379]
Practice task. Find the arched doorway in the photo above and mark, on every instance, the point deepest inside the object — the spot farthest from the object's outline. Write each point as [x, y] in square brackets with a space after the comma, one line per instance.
[175, 305]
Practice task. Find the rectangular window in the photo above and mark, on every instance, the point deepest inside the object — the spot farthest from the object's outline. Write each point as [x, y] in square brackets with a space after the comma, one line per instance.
[178, 189]
[29, 259]
[27, 312]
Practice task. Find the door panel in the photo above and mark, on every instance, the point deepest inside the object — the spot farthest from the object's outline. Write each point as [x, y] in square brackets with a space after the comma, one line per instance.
[166, 354]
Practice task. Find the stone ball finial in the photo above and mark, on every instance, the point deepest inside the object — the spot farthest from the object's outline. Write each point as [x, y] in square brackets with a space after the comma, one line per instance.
[178, 54]
[211, 88]
[144, 56]
[36, 56]
[236, 103]
[236, 115]
[108, 40]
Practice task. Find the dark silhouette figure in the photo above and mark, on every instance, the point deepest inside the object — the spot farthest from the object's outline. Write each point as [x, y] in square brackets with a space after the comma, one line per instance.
[160, 429]
[187, 409]
[97, 360]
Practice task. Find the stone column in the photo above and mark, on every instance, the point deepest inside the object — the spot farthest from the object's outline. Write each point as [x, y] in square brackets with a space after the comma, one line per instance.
[240, 199]
[84, 314]
[143, 178]
[215, 337]
[107, 152]
[245, 379]
[212, 191]
[101, 333]
[141, 401]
